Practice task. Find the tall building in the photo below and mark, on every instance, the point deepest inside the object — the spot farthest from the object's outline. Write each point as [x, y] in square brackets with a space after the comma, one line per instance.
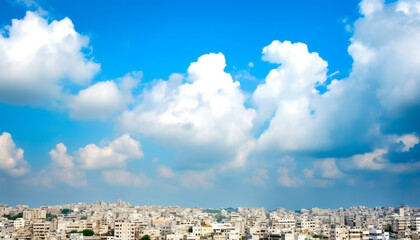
[416, 223]
[125, 230]
[40, 230]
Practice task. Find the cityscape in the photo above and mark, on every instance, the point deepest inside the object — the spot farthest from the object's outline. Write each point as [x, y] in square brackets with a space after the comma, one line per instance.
[121, 220]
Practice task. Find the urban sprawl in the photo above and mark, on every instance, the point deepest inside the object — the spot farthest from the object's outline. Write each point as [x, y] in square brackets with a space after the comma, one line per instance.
[121, 220]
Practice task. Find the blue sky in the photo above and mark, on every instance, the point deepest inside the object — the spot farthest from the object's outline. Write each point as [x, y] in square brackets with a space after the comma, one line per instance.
[290, 104]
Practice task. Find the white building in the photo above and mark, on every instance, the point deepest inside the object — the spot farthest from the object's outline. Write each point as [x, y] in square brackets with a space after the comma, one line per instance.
[416, 223]
[375, 235]
[76, 236]
[19, 223]
[222, 227]
[125, 230]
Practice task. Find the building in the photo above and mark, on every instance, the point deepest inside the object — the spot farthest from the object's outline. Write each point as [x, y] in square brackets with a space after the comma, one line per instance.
[375, 235]
[19, 223]
[125, 230]
[40, 230]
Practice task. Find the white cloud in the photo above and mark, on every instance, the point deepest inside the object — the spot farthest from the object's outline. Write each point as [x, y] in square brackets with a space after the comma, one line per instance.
[377, 160]
[242, 154]
[367, 7]
[11, 158]
[385, 73]
[206, 110]
[408, 141]
[361, 54]
[391, 35]
[287, 181]
[372, 160]
[63, 169]
[165, 171]
[408, 7]
[37, 58]
[123, 178]
[260, 177]
[323, 173]
[104, 99]
[326, 168]
[70, 169]
[116, 154]
[244, 75]
[287, 98]
[285, 172]
[197, 179]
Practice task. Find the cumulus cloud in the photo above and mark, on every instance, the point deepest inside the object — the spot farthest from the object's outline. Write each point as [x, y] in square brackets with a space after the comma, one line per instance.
[37, 58]
[115, 154]
[323, 173]
[206, 108]
[62, 169]
[71, 170]
[123, 178]
[385, 74]
[242, 154]
[326, 168]
[367, 7]
[286, 99]
[165, 171]
[372, 160]
[361, 54]
[11, 158]
[104, 99]
[408, 141]
[408, 7]
[379, 158]
[390, 61]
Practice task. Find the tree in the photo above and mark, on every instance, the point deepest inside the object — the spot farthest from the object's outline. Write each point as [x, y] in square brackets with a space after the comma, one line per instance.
[220, 217]
[145, 237]
[50, 216]
[19, 215]
[87, 232]
[66, 211]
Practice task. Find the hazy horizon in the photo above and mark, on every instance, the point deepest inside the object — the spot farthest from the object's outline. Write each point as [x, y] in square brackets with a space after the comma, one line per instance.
[216, 208]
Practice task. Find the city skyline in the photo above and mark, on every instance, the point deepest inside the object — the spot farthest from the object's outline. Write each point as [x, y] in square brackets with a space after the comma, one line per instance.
[123, 221]
[214, 104]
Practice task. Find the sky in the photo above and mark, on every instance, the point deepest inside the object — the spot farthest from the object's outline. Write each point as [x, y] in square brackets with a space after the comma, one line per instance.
[293, 104]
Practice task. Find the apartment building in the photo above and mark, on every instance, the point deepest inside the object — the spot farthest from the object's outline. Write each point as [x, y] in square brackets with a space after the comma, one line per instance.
[125, 230]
